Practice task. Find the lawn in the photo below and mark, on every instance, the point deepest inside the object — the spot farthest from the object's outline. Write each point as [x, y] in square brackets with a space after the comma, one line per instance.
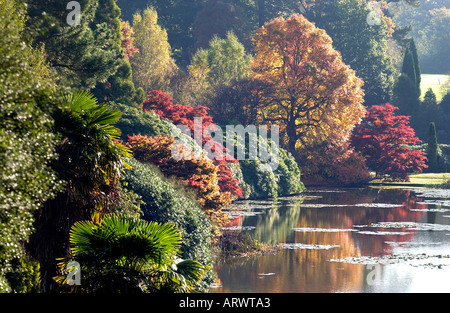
[430, 179]
[425, 179]
[435, 82]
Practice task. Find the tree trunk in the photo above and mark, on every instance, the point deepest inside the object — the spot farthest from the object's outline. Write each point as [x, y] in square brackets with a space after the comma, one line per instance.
[292, 136]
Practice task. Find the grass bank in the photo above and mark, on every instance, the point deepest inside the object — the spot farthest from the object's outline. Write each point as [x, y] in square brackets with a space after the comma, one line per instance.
[418, 180]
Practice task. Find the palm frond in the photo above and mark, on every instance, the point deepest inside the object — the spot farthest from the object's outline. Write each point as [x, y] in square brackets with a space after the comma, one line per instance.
[132, 252]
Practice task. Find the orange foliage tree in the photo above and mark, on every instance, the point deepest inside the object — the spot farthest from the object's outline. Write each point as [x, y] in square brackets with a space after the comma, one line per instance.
[315, 96]
[128, 40]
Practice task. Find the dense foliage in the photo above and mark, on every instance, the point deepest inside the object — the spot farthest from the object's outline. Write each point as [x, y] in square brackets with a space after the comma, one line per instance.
[153, 65]
[90, 165]
[197, 172]
[166, 201]
[83, 55]
[362, 43]
[184, 115]
[26, 137]
[429, 25]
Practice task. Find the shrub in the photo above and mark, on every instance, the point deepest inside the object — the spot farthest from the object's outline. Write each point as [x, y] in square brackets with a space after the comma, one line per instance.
[27, 140]
[162, 104]
[338, 165]
[260, 179]
[236, 243]
[289, 175]
[136, 121]
[128, 255]
[198, 173]
[165, 202]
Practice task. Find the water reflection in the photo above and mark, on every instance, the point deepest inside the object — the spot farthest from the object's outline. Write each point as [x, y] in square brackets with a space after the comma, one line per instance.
[324, 225]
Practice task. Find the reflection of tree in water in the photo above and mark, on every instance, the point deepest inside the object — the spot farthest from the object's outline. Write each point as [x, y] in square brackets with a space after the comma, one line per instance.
[306, 270]
[376, 245]
[276, 224]
[347, 217]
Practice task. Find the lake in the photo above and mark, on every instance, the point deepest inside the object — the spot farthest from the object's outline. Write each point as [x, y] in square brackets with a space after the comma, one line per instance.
[344, 240]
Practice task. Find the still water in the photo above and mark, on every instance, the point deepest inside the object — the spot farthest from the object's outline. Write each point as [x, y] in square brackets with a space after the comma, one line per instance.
[344, 240]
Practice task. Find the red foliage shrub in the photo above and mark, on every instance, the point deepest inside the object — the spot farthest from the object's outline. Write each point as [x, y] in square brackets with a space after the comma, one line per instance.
[198, 173]
[162, 105]
[382, 140]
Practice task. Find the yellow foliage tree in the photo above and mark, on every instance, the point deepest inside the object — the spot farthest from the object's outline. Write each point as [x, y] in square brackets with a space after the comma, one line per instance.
[153, 66]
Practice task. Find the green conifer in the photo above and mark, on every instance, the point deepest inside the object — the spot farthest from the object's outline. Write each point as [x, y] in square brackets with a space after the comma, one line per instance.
[432, 150]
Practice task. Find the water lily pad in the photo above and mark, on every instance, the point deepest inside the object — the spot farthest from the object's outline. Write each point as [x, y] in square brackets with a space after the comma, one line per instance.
[320, 205]
[430, 210]
[303, 246]
[412, 244]
[244, 213]
[321, 230]
[433, 193]
[409, 258]
[378, 205]
[238, 228]
[408, 226]
[383, 233]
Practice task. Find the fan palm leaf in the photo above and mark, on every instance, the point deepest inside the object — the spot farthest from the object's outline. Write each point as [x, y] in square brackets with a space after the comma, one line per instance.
[137, 255]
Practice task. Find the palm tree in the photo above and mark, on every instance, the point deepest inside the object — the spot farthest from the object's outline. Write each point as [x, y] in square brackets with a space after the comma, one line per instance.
[89, 163]
[129, 255]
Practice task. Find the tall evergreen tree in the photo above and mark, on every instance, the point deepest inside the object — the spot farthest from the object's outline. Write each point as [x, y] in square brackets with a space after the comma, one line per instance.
[430, 108]
[429, 100]
[84, 54]
[445, 103]
[413, 49]
[432, 150]
[119, 87]
[406, 95]
[409, 68]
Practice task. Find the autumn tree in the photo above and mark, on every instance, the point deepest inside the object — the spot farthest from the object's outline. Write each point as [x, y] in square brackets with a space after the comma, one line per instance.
[153, 66]
[128, 40]
[240, 102]
[315, 96]
[382, 140]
